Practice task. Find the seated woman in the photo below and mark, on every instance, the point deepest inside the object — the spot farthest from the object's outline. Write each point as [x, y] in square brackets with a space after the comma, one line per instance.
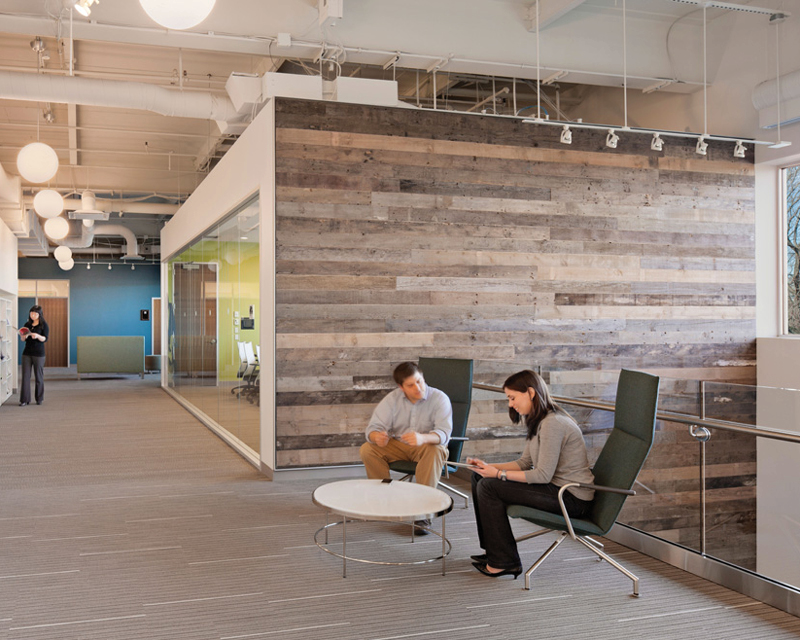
[554, 455]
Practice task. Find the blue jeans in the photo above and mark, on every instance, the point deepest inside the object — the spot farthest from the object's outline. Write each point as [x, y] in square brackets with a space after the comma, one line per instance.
[491, 497]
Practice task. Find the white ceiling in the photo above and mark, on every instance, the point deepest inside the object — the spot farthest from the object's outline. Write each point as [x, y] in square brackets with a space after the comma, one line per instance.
[120, 152]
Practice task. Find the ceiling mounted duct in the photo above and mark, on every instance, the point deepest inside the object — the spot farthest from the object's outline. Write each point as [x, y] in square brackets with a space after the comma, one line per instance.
[88, 210]
[765, 100]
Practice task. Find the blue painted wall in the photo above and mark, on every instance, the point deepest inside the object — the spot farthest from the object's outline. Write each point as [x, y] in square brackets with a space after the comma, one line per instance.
[101, 302]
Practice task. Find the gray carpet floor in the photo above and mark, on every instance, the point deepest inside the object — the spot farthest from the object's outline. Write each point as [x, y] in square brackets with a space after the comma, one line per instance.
[121, 517]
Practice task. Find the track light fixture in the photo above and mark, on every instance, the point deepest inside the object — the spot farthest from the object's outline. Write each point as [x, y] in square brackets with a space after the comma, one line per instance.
[739, 150]
[702, 146]
[566, 135]
[84, 7]
[553, 77]
[612, 139]
[657, 143]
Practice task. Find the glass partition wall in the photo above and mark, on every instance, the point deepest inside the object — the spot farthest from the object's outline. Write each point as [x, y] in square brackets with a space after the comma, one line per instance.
[212, 332]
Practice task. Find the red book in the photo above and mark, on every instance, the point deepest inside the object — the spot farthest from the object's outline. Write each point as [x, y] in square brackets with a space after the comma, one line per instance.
[24, 332]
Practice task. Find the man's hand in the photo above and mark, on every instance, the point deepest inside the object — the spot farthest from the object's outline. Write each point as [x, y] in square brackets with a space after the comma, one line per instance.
[412, 439]
[379, 438]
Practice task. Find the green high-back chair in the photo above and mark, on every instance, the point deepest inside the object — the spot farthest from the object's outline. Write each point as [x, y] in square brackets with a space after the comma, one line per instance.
[615, 473]
[453, 376]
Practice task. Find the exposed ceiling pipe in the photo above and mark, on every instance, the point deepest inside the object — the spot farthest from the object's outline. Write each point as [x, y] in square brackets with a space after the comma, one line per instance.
[99, 251]
[765, 100]
[114, 206]
[88, 234]
[115, 93]
[12, 211]
[121, 206]
[10, 188]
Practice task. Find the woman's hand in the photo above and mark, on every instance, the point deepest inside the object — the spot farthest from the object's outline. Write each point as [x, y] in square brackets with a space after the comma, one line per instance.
[483, 469]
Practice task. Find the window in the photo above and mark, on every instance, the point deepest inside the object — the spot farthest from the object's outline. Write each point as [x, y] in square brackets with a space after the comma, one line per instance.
[792, 186]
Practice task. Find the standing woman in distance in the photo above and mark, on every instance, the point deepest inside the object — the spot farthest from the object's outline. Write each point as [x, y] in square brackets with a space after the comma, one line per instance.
[554, 455]
[33, 356]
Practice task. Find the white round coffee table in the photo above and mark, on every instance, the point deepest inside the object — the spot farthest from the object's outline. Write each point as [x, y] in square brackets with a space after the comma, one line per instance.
[383, 501]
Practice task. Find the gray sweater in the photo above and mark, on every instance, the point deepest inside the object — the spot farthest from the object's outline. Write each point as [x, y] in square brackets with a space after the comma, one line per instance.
[557, 454]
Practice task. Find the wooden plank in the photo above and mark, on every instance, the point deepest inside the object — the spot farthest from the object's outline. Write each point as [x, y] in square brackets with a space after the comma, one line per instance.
[305, 340]
[702, 165]
[449, 147]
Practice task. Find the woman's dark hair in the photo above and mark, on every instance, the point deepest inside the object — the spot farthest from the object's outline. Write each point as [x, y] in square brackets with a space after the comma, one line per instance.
[542, 402]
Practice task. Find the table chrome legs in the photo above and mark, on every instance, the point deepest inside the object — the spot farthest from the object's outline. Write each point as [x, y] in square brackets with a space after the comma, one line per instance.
[443, 547]
[344, 546]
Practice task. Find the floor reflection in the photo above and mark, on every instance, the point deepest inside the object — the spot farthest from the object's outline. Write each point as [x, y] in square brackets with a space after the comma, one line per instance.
[238, 413]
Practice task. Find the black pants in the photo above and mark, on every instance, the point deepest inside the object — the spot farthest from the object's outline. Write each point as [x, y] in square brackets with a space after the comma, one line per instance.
[37, 364]
[491, 497]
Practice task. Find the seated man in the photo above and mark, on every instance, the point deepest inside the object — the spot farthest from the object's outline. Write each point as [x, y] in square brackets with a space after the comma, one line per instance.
[413, 423]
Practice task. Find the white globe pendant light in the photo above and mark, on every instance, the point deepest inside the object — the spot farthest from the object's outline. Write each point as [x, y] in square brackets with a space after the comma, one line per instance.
[48, 203]
[62, 253]
[178, 14]
[56, 228]
[66, 265]
[88, 223]
[37, 162]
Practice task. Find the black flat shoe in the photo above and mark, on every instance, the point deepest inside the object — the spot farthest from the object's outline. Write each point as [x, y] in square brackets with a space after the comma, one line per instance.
[418, 527]
[23, 404]
[480, 566]
[481, 557]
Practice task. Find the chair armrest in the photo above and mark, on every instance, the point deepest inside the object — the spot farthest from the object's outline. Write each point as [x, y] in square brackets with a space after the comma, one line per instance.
[585, 485]
[460, 438]
[599, 487]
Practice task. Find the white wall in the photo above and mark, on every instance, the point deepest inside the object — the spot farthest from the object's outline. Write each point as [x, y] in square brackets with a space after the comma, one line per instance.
[8, 260]
[247, 168]
[9, 284]
[778, 463]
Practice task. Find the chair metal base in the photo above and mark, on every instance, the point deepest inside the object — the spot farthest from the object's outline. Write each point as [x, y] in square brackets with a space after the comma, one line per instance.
[590, 543]
[457, 492]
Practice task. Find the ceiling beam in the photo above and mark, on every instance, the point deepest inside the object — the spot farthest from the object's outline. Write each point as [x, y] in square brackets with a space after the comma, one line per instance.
[72, 123]
[246, 45]
[549, 12]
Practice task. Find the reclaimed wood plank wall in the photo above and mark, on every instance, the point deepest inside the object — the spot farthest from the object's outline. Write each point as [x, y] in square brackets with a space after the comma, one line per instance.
[403, 233]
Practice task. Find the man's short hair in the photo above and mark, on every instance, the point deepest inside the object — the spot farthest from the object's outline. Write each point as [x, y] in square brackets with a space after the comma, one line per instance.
[403, 371]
